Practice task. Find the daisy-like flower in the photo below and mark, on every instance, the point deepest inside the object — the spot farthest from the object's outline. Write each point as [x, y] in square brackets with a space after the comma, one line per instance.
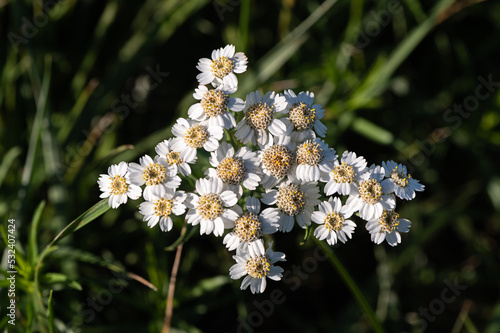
[116, 185]
[277, 161]
[249, 228]
[344, 176]
[304, 115]
[256, 267]
[293, 201]
[401, 182]
[235, 169]
[333, 219]
[212, 110]
[209, 207]
[387, 227]
[163, 203]
[259, 124]
[313, 158]
[192, 135]
[372, 197]
[173, 158]
[154, 173]
[221, 69]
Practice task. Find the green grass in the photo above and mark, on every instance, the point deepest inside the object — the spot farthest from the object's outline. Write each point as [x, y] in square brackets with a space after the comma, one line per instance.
[67, 80]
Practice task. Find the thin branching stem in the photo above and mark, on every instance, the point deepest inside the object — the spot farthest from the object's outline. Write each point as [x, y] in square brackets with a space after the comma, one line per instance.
[171, 286]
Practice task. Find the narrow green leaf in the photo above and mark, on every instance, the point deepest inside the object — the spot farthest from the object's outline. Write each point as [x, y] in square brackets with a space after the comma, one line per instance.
[244, 23]
[51, 312]
[416, 9]
[307, 234]
[207, 285]
[106, 19]
[469, 325]
[494, 192]
[32, 239]
[22, 267]
[41, 105]
[372, 131]
[284, 50]
[351, 285]
[7, 161]
[377, 80]
[55, 278]
[90, 215]
[94, 212]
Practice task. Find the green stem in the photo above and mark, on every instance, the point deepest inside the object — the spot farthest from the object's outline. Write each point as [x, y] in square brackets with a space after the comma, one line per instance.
[91, 214]
[353, 287]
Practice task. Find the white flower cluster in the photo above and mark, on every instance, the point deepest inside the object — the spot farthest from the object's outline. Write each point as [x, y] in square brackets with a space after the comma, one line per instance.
[275, 153]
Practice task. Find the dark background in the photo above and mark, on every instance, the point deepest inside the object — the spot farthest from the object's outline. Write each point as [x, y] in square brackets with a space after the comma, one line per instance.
[392, 77]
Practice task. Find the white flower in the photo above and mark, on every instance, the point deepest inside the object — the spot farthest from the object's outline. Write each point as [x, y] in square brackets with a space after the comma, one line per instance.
[154, 174]
[277, 161]
[173, 158]
[387, 227]
[212, 110]
[249, 227]
[259, 124]
[256, 268]
[313, 158]
[399, 181]
[293, 200]
[304, 115]
[163, 203]
[371, 198]
[344, 177]
[192, 135]
[235, 169]
[221, 68]
[332, 217]
[116, 185]
[208, 207]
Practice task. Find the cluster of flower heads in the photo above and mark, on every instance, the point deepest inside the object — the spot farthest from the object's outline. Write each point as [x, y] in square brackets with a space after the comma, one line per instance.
[274, 152]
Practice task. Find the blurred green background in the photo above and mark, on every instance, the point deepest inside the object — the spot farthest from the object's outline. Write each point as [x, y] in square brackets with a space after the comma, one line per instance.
[88, 83]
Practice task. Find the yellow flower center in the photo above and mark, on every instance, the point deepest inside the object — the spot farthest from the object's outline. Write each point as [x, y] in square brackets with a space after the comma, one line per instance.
[196, 136]
[210, 206]
[214, 103]
[309, 153]
[302, 116]
[290, 199]
[388, 221]
[258, 267]
[400, 178]
[343, 173]
[334, 221]
[231, 170]
[259, 115]
[174, 157]
[118, 185]
[370, 191]
[248, 227]
[154, 174]
[222, 66]
[163, 207]
[278, 160]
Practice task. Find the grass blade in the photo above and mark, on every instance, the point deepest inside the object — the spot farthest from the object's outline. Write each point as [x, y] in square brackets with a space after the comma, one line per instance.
[377, 80]
[351, 285]
[285, 49]
[91, 214]
[32, 239]
[7, 160]
[51, 313]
